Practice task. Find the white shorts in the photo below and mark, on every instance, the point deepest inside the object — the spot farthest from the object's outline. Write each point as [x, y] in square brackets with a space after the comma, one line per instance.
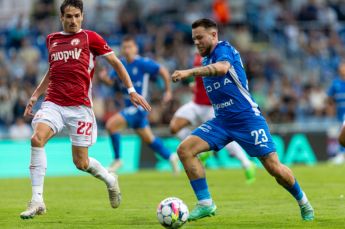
[79, 121]
[196, 114]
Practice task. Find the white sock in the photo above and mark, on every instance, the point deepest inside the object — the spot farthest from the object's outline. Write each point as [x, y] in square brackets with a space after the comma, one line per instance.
[38, 166]
[173, 157]
[183, 133]
[304, 199]
[97, 170]
[236, 151]
[206, 202]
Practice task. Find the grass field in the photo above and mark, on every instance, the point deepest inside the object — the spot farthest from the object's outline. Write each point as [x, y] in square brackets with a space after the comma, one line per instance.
[81, 202]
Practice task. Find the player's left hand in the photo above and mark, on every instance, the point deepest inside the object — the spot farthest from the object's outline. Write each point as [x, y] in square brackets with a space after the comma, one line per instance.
[28, 109]
[138, 100]
[180, 75]
[167, 97]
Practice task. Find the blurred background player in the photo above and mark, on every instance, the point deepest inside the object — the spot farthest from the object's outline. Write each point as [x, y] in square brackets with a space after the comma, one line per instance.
[336, 97]
[68, 103]
[139, 69]
[237, 118]
[198, 111]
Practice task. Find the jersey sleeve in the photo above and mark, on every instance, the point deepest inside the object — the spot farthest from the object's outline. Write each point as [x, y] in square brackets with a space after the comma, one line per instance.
[224, 53]
[150, 66]
[98, 46]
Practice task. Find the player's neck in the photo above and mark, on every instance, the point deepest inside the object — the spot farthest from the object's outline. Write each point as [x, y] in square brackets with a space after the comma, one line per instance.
[130, 59]
[70, 33]
[213, 47]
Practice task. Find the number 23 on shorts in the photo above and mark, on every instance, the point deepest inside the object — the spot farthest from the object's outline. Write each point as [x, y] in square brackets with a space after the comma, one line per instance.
[259, 136]
[84, 128]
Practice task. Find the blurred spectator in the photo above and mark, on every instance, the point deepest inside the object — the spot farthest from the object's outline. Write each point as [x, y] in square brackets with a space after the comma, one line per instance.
[221, 11]
[20, 130]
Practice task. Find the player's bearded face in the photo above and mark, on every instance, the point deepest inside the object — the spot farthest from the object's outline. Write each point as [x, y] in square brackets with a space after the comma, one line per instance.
[71, 19]
[203, 40]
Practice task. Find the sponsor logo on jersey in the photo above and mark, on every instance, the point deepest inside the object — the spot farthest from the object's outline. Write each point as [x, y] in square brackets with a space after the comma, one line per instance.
[65, 55]
[223, 105]
[217, 85]
[75, 41]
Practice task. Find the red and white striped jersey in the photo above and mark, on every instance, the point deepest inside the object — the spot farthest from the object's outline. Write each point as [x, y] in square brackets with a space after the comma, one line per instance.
[72, 61]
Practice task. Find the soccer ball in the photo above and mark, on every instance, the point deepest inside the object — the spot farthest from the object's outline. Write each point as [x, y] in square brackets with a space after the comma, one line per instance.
[172, 213]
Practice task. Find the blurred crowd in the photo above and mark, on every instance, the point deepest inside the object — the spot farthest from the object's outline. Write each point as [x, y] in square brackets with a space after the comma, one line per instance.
[290, 49]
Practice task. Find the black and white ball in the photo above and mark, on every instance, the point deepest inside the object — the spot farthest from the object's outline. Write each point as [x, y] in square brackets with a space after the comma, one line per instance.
[172, 213]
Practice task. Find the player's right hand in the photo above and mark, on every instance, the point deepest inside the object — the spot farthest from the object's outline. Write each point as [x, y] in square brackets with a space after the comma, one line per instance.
[28, 109]
[138, 100]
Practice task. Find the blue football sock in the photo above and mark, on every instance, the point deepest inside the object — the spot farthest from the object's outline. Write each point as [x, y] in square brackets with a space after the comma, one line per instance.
[158, 147]
[115, 140]
[296, 191]
[200, 189]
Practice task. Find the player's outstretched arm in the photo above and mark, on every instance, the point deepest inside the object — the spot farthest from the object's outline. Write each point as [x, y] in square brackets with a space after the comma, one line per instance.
[41, 88]
[136, 99]
[164, 73]
[217, 69]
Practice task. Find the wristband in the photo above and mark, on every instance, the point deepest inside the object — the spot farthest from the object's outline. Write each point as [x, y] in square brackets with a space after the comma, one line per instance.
[131, 90]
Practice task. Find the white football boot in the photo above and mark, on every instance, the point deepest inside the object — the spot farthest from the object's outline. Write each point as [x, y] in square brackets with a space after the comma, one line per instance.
[114, 193]
[34, 208]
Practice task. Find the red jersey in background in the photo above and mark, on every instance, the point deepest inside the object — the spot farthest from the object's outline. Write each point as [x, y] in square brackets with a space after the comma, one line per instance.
[200, 97]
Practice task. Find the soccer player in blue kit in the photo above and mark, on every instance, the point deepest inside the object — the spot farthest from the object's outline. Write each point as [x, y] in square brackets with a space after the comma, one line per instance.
[336, 95]
[238, 118]
[139, 69]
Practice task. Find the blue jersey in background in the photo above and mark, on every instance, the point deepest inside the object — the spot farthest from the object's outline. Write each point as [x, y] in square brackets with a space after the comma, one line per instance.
[337, 92]
[140, 70]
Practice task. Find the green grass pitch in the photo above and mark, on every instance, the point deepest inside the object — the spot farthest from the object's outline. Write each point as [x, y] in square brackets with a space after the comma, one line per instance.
[81, 202]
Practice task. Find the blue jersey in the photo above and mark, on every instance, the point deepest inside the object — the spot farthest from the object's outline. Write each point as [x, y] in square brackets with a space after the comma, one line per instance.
[337, 92]
[139, 71]
[229, 94]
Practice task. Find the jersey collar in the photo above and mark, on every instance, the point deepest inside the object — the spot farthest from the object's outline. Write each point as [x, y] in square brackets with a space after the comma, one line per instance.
[64, 33]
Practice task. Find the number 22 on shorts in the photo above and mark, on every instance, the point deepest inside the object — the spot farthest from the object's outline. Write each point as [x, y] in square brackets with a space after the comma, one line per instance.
[84, 128]
[259, 135]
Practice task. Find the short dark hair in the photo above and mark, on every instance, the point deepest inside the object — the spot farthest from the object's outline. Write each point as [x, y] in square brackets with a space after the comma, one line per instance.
[75, 3]
[205, 22]
[128, 38]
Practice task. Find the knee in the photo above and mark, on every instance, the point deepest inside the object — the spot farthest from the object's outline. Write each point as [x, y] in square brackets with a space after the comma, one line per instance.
[81, 164]
[108, 126]
[37, 141]
[183, 152]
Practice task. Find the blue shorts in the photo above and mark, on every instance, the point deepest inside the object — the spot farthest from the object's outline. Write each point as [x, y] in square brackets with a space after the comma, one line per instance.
[136, 118]
[252, 133]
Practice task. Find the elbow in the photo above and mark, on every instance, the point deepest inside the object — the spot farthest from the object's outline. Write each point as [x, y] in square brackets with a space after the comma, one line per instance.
[222, 71]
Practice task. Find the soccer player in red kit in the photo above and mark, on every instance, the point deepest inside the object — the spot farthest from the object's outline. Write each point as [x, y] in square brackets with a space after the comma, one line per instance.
[68, 102]
[199, 111]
